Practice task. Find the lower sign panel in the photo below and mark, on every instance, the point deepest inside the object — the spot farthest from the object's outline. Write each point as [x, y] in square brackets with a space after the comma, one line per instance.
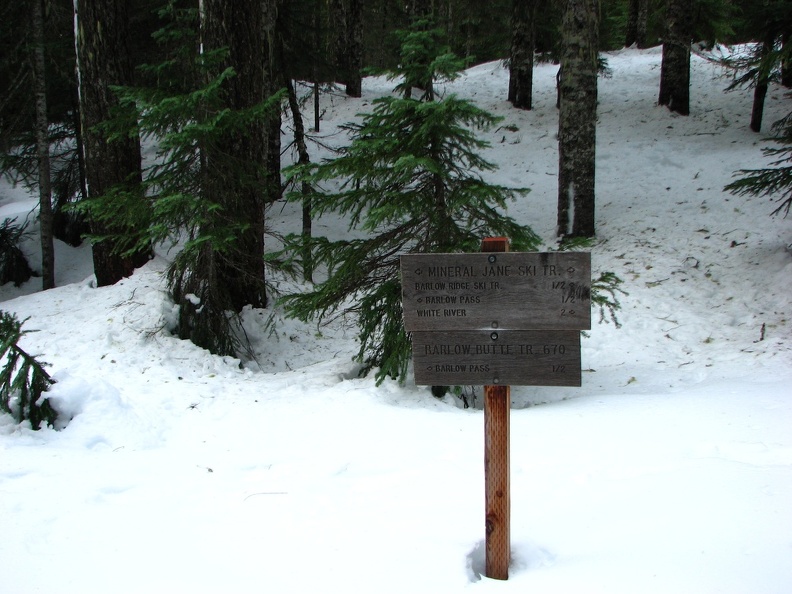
[505, 357]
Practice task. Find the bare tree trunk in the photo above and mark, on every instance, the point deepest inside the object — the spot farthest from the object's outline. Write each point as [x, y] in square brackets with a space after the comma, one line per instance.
[42, 150]
[103, 60]
[347, 18]
[419, 9]
[631, 35]
[303, 159]
[643, 19]
[786, 62]
[273, 69]
[577, 118]
[318, 42]
[353, 80]
[762, 80]
[675, 67]
[522, 53]
[637, 16]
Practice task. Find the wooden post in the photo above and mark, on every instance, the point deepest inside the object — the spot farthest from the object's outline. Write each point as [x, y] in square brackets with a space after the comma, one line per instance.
[497, 402]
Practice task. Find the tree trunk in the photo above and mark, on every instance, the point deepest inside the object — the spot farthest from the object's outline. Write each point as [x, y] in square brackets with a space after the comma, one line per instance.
[348, 44]
[239, 269]
[102, 31]
[354, 84]
[522, 53]
[643, 19]
[631, 34]
[318, 42]
[760, 89]
[303, 159]
[675, 67]
[419, 9]
[786, 62]
[42, 150]
[577, 118]
[637, 16]
[273, 76]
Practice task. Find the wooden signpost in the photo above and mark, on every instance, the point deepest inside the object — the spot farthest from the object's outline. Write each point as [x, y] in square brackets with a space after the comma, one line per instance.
[497, 319]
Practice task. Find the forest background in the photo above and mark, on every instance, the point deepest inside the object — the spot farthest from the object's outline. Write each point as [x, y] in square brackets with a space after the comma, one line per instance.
[212, 86]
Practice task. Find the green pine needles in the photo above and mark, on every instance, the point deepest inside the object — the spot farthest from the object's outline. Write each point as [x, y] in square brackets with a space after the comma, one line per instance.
[207, 186]
[14, 266]
[776, 180]
[23, 380]
[410, 182]
[424, 60]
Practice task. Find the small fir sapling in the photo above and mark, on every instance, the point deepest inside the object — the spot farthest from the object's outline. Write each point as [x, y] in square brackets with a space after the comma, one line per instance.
[23, 380]
[410, 182]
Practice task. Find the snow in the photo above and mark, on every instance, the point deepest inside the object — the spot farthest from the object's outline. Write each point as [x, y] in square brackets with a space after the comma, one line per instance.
[670, 470]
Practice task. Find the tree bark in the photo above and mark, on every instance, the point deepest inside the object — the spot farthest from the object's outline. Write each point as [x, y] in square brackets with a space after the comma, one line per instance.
[643, 19]
[577, 119]
[348, 44]
[303, 159]
[273, 75]
[419, 9]
[239, 270]
[42, 150]
[637, 16]
[522, 53]
[675, 67]
[786, 62]
[102, 31]
[762, 81]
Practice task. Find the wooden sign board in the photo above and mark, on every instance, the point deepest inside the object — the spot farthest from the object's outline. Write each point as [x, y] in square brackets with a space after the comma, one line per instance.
[508, 291]
[497, 357]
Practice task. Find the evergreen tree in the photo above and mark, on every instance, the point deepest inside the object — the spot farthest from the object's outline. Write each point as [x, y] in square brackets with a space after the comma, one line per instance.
[37, 60]
[23, 380]
[411, 182]
[577, 121]
[348, 46]
[209, 184]
[768, 24]
[521, 62]
[14, 266]
[43, 150]
[424, 60]
[637, 21]
[113, 169]
[675, 66]
[774, 181]
[479, 31]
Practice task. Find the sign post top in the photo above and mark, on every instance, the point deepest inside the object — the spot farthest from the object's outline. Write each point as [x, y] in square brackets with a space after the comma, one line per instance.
[506, 290]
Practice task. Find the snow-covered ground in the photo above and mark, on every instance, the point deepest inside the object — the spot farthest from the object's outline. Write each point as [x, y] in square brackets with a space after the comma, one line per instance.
[670, 470]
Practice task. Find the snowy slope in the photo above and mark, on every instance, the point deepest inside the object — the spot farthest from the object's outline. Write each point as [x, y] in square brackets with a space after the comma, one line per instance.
[670, 470]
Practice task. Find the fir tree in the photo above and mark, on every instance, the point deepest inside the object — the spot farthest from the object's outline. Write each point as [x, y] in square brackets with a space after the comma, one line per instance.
[23, 380]
[769, 22]
[14, 266]
[410, 182]
[774, 181]
[206, 189]
[424, 60]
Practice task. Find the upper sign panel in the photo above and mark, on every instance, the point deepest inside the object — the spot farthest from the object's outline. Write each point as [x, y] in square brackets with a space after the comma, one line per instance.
[500, 290]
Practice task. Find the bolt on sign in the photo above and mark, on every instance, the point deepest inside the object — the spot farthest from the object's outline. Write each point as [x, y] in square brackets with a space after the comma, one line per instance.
[508, 318]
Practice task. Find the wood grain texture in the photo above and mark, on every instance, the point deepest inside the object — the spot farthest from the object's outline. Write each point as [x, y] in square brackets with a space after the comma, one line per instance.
[517, 291]
[497, 401]
[497, 357]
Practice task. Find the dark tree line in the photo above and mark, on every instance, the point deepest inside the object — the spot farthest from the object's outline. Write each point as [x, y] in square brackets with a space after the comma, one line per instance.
[211, 89]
